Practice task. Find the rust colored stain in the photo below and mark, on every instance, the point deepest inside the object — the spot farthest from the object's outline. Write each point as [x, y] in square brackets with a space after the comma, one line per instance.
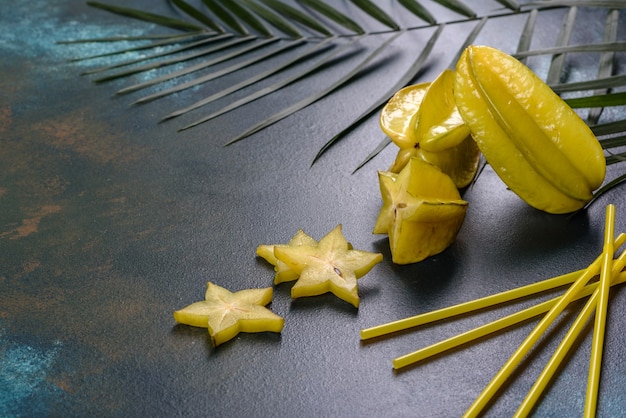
[89, 315]
[31, 225]
[6, 118]
[63, 382]
[2, 191]
[28, 267]
[73, 132]
[49, 299]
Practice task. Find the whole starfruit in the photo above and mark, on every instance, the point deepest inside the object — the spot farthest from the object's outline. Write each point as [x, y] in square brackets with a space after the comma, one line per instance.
[532, 139]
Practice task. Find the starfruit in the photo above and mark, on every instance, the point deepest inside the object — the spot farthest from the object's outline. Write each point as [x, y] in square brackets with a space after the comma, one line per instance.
[422, 211]
[438, 125]
[225, 314]
[423, 121]
[331, 265]
[283, 272]
[397, 117]
[533, 140]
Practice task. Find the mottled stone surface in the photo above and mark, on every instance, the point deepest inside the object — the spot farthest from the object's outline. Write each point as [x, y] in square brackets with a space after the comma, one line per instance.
[110, 221]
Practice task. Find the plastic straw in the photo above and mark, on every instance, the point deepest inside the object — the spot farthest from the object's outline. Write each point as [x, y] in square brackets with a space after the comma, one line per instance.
[597, 343]
[559, 354]
[474, 305]
[490, 328]
[494, 385]
[470, 306]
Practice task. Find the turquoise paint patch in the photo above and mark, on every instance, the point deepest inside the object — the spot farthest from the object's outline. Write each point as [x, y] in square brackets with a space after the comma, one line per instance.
[40, 30]
[24, 382]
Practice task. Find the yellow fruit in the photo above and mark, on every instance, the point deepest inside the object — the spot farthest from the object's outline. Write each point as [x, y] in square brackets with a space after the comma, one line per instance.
[460, 163]
[422, 211]
[536, 143]
[283, 272]
[396, 116]
[423, 121]
[226, 314]
[439, 125]
[329, 266]
[426, 232]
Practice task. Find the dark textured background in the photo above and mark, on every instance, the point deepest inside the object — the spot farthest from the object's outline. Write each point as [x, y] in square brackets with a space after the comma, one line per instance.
[109, 222]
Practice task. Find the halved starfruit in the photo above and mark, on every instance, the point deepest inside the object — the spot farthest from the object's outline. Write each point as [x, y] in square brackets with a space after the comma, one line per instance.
[423, 121]
[397, 116]
[422, 211]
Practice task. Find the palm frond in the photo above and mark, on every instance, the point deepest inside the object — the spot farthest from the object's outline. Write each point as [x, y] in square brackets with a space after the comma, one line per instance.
[565, 34]
[174, 59]
[403, 81]
[147, 16]
[273, 19]
[241, 33]
[312, 50]
[240, 12]
[197, 15]
[611, 99]
[297, 16]
[376, 12]
[333, 14]
[214, 61]
[185, 42]
[227, 18]
[605, 67]
[418, 10]
[459, 7]
[523, 45]
[271, 89]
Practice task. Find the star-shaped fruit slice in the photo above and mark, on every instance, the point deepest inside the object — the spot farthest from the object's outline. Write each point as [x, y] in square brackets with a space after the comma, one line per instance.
[284, 273]
[422, 211]
[330, 266]
[226, 314]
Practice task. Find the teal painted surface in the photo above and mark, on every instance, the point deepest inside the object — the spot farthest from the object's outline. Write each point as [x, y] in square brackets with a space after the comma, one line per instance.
[109, 222]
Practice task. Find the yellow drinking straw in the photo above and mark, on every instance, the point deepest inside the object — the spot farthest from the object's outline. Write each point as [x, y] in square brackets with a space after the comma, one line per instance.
[469, 306]
[597, 342]
[474, 305]
[500, 377]
[491, 327]
[559, 354]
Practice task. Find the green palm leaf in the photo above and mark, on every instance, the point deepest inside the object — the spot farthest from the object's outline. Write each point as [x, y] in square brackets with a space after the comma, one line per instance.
[186, 42]
[297, 15]
[403, 81]
[211, 62]
[273, 19]
[241, 33]
[225, 17]
[458, 6]
[148, 17]
[418, 10]
[243, 14]
[333, 14]
[615, 99]
[376, 12]
[197, 15]
[173, 60]
[605, 68]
